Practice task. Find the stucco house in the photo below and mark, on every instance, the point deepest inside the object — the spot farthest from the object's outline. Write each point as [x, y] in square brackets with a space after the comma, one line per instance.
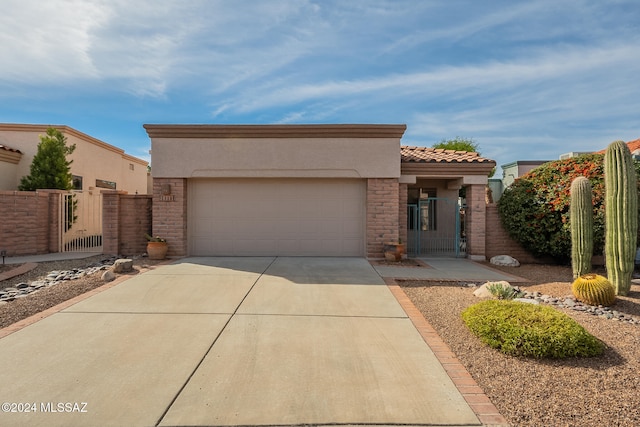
[96, 164]
[312, 190]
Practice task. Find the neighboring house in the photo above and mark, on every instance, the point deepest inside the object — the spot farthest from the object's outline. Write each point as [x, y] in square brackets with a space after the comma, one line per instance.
[514, 170]
[312, 190]
[96, 164]
[510, 172]
[634, 147]
[9, 160]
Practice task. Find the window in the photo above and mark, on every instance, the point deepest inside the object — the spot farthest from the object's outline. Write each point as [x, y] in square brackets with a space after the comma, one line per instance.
[131, 167]
[76, 182]
[428, 215]
[101, 183]
[425, 208]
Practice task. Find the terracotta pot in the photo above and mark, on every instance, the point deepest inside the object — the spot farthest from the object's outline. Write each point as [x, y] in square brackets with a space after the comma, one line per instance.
[394, 251]
[157, 250]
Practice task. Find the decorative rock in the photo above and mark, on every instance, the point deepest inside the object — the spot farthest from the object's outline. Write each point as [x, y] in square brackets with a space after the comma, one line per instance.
[108, 276]
[483, 291]
[123, 266]
[527, 300]
[504, 260]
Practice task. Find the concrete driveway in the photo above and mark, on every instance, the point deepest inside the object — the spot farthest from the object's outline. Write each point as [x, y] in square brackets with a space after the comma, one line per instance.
[231, 341]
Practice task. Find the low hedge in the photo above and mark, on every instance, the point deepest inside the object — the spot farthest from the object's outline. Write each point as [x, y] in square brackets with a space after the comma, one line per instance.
[521, 329]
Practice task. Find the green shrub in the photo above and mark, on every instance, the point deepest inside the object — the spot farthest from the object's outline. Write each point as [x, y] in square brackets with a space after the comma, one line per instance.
[521, 329]
[534, 210]
[501, 291]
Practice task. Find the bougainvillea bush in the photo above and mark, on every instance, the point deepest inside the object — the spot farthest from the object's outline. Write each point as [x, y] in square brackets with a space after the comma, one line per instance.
[535, 208]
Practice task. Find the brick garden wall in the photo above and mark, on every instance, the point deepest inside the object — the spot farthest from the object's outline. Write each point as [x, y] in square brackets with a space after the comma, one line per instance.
[498, 241]
[28, 222]
[125, 220]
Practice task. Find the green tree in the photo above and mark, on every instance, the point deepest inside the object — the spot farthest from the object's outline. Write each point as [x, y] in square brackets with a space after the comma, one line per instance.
[458, 144]
[50, 168]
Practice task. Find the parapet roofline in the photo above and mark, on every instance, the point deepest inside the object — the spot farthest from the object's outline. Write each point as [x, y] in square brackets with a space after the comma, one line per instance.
[276, 131]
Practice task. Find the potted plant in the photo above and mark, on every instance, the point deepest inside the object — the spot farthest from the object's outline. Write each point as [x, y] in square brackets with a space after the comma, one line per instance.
[394, 251]
[156, 247]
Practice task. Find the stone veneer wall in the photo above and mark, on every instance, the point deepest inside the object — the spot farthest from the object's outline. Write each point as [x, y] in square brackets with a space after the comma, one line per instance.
[382, 214]
[29, 222]
[125, 220]
[170, 213]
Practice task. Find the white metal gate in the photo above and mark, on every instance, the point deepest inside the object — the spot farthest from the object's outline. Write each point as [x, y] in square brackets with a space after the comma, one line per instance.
[80, 222]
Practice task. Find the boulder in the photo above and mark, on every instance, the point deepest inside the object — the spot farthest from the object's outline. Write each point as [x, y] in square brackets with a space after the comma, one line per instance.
[108, 276]
[483, 291]
[123, 266]
[504, 260]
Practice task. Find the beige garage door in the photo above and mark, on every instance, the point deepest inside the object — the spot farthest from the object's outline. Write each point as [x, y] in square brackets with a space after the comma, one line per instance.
[289, 217]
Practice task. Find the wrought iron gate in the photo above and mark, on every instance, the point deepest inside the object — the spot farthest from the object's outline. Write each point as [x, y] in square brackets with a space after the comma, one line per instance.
[80, 222]
[436, 227]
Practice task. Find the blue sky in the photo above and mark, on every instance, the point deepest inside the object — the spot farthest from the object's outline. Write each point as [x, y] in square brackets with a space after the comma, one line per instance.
[526, 79]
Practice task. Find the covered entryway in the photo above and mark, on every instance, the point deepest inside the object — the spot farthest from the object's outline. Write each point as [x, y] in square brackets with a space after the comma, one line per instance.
[445, 194]
[286, 217]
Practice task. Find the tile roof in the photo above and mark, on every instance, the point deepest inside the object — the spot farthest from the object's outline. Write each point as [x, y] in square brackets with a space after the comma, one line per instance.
[439, 155]
[13, 150]
[633, 146]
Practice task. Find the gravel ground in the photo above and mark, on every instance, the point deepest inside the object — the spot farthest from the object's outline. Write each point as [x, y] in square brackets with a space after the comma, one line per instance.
[48, 297]
[600, 391]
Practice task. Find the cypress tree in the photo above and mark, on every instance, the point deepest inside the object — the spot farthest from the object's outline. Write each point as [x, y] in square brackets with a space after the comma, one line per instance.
[50, 168]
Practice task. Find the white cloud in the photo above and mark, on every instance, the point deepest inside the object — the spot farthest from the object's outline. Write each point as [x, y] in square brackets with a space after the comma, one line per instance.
[48, 41]
[555, 68]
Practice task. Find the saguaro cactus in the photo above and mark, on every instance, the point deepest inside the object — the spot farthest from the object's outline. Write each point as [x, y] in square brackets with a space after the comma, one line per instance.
[581, 221]
[621, 215]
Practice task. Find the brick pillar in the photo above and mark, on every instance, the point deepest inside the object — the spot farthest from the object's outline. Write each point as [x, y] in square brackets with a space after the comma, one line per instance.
[402, 211]
[110, 222]
[55, 228]
[170, 213]
[476, 222]
[382, 214]
[134, 222]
